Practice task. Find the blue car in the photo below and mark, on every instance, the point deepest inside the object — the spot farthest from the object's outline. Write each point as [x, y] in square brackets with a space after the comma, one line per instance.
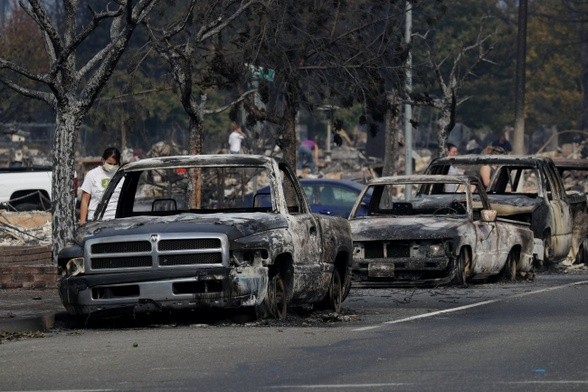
[324, 196]
[331, 197]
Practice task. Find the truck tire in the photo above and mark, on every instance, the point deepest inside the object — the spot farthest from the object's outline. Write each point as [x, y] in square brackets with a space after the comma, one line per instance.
[334, 296]
[463, 264]
[582, 255]
[509, 271]
[275, 303]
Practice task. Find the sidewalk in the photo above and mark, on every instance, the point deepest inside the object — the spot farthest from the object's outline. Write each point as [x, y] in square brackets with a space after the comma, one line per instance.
[29, 310]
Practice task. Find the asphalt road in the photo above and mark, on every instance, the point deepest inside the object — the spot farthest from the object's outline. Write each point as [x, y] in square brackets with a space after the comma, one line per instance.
[524, 336]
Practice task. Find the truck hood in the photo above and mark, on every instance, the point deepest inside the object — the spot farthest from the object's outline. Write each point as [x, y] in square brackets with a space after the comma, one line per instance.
[406, 228]
[234, 226]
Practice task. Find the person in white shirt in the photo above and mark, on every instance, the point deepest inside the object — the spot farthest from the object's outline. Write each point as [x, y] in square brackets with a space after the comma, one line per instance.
[452, 151]
[95, 183]
[235, 138]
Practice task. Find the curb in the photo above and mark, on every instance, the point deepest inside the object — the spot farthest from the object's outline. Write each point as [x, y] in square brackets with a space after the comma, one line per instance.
[40, 322]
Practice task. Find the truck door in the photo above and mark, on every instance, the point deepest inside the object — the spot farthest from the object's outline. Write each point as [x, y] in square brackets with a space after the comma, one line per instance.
[306, 240]
[561, 217]
[486, 255]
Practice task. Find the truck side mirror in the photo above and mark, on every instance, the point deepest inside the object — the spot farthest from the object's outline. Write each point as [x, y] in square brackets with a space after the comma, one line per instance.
[488, 215]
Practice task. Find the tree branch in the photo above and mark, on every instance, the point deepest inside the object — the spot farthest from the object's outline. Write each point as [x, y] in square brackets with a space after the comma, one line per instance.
[40, 95]
[225, 107]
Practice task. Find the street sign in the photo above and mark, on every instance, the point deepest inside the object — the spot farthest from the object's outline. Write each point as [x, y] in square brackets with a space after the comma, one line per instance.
[262, 73]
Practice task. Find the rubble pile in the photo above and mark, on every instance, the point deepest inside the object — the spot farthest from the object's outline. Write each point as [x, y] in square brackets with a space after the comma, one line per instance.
[30, 228]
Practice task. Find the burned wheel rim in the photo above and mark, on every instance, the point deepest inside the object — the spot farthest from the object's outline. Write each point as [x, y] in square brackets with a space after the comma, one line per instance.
[335, 295]
[462, 268]
[277, 302]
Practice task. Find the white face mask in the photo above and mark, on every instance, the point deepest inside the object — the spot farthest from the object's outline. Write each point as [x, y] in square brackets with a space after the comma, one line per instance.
[109, 168]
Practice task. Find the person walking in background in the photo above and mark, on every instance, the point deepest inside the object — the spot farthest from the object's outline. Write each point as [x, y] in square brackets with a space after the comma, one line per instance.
[340, 136]
[95, 183]
[308, 154]
[452, 151]
[235, 138]
[486, 171]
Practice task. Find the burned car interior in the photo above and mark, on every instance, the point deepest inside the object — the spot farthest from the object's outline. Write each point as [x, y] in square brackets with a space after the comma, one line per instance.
[167, 191]
[422, 199]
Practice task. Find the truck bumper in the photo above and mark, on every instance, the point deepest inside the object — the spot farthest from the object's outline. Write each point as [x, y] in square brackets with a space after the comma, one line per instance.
[405, 271]
[137, 293]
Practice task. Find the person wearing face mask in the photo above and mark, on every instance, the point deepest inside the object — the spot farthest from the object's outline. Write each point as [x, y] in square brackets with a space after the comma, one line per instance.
[95, 183]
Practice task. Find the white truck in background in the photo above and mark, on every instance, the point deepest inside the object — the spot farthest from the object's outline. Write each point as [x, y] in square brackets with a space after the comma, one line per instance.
[25, 188]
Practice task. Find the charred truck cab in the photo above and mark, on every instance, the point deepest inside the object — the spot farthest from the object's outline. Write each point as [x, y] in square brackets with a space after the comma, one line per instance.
[526, 189]
[430, 230]
[191, 231]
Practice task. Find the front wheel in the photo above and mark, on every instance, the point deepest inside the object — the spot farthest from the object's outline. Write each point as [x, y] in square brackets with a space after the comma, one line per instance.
[275, 303]
[462, 267]
[334, 297]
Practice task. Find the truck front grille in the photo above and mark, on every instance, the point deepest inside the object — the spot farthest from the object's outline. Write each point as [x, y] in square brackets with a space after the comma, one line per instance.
[194, 243]
[121, 262]
[205, 258]
[122, 247]
[392, 249]
[153, 251]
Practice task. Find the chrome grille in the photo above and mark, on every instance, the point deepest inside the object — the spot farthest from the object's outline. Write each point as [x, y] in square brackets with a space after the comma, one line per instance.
[201, 258]
[194, 243]
[122, 247]
[121, 262]
[153, 251]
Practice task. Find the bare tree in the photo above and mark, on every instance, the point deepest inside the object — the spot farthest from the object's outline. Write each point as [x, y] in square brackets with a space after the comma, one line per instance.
[327, 52]
[71, 88]
[449, 80]
[181, 44]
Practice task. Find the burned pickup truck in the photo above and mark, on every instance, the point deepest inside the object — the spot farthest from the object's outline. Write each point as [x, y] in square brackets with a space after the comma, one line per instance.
[184, 237]
[523, 188]
[434, 230]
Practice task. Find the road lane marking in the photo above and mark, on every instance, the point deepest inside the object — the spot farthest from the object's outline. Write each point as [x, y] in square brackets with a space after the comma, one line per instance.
[474, 305]
[555, 382]
[336, 386]
[401, 384]
[67, 390]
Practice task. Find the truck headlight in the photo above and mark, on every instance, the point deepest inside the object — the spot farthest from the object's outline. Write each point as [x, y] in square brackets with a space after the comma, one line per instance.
[436, 250]
[75, 266]
[358, 250]
[249, 257]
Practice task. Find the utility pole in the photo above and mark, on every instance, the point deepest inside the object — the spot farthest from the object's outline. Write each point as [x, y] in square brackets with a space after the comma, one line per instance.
[519, 129]
[408, 88]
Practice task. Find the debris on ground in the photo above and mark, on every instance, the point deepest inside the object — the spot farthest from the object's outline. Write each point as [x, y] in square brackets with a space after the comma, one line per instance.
[25, 228]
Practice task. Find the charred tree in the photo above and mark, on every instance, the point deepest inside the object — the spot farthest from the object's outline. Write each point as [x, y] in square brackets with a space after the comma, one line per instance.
[70, 87]
[183, 45]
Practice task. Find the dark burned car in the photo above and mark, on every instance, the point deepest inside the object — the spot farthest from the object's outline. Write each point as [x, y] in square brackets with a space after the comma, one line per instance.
[434, 230]
[183, 238]
[523, 188]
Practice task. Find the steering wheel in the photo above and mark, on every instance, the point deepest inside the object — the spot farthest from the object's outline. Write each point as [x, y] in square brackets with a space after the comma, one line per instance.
[445, 211]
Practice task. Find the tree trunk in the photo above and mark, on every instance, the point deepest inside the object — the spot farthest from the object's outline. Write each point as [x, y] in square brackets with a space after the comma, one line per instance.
[391, 139]
[68, 121]
[287, 141]
[583, 33]
[195, 148]
[445, 124]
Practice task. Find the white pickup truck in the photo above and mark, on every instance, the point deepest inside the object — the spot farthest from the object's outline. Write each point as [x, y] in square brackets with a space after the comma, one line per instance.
[25, 188]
